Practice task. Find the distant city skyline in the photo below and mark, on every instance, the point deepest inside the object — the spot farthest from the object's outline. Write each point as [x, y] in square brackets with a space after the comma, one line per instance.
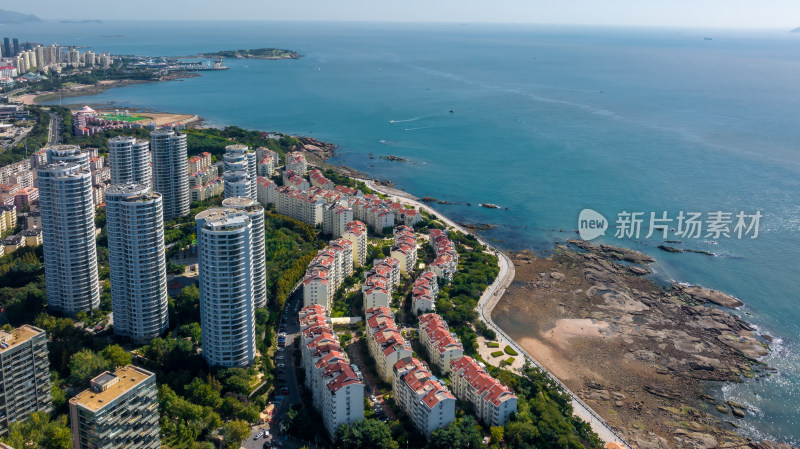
[686, 13]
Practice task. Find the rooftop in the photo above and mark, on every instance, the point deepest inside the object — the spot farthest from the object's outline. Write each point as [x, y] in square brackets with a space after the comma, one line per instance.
[17, 336]
[116, 384]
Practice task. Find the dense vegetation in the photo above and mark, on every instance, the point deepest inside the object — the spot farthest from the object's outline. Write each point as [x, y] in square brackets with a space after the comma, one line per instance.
[257, 53]
[214, 140]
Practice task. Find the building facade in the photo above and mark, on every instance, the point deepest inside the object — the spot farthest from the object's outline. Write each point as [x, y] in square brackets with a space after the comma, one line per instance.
[130, 160]
[256, 213]
[227, 315]
[168, 149]
[25, 374]
[119, 410]
[494, 402]
[135, 226]
[68, 234]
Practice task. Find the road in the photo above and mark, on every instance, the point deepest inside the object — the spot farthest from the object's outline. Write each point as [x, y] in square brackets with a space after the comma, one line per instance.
[489, 300]
[54, 137]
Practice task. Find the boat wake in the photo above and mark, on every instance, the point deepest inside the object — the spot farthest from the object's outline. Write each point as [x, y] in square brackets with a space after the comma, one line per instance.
[406, 120]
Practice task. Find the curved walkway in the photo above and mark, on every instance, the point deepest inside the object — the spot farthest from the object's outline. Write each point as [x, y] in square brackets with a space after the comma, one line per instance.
[489, 300]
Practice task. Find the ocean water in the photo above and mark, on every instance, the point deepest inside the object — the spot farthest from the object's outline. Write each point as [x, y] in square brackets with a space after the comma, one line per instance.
[546, 121]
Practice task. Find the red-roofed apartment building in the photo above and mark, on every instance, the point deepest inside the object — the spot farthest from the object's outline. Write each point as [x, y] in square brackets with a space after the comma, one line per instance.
[337, 391]
[423, 397]
[441, 345]
[494, 402]
[385, 341]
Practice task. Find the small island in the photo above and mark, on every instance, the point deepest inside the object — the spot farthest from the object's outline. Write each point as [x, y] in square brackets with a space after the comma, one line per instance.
[258, 53]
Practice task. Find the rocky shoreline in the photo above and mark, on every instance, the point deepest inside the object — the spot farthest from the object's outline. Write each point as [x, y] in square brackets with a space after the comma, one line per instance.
[642, 355]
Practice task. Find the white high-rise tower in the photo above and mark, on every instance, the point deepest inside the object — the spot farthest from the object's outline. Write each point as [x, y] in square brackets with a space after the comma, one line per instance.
[239, 158]
[130, 160]
[68, 153]
[70, 249]
[135, 227]
[227, 314]
[170, 177]
[256, 213]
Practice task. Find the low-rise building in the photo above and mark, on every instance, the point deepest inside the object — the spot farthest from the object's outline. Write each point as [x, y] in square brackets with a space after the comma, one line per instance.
[423, 294]
[441, 345]
[423, 397]
[319, 180]
[385, 341]
[494, 402]
[120, 409]
[8, 217]
[33, 236]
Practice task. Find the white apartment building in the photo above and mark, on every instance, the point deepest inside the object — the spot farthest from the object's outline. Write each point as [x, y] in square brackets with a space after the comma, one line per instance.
[297, 162]
[68, 232]
[424, 398]
[256, 213]
[319, 180]
[120, 410]
[405, 248]
[168, 149]
[135, 226]
[356, 232]
[266, 191]
[237, 184]
[68, 153]
[494, 402]
[335, 218]
[385, 341]
[239, 158]
[225, 252]
[130, 160]
[423, 295]
[441, 345]
[337, 392]
[24, 374]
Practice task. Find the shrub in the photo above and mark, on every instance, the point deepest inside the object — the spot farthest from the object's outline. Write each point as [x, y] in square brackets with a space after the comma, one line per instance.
[493, 344]
[510, 351]
[510, 360]
[497, 353]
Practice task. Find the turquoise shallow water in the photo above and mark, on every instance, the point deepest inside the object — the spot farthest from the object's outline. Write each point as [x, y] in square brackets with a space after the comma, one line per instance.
[547, 121]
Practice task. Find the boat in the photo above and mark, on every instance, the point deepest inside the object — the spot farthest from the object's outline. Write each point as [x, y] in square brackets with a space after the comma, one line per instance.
[452, 111]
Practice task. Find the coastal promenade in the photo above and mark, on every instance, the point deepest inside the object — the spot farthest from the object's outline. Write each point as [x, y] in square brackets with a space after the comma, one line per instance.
[489, 300]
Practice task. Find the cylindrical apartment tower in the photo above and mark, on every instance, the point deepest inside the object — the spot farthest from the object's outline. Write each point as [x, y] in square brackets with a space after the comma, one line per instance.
[68, 153]
[240, 157]
[130, 160]
[237, 183]
[227, 315]
[170, 171]
[135, 226]
[70, 251]
[256, 213]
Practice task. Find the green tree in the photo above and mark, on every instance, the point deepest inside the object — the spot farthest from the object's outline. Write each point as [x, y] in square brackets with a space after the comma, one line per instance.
[203, 393]
[116, 356]
[497, 434]
[40, 432]
[366, 433]
[84, 365]
[191, 330]
[463, 433]
[234, 433]
[522, 435]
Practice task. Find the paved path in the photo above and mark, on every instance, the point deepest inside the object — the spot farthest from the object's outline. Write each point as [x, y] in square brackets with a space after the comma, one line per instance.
[489, 300]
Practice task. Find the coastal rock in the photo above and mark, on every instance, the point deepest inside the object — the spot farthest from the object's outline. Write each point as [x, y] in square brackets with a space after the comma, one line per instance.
[650, 441]
[669, 249]
[694, 440]
[701, 294]
[639, 271]
[739, 413]
[722, 409]
[749, 346]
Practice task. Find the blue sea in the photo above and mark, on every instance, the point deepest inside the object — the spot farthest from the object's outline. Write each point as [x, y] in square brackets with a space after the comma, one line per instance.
[546, 121]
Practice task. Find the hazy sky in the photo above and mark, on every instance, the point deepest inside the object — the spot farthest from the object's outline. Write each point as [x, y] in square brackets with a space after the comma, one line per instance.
[690, 13]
